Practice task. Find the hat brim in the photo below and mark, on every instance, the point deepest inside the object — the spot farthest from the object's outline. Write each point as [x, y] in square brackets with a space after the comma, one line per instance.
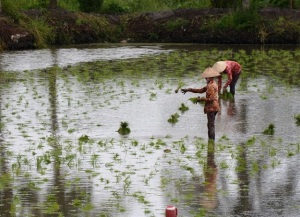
[219, 66]
[209, 73]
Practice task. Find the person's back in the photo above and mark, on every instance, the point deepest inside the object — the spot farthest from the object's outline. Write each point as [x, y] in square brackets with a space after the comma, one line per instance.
[212, 97]
[232, 67]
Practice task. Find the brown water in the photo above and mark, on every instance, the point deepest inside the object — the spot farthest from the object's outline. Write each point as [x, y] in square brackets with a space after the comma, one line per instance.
[61, 154]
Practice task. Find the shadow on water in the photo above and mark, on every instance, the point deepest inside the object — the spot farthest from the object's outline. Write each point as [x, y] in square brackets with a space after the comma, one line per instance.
[61, 154]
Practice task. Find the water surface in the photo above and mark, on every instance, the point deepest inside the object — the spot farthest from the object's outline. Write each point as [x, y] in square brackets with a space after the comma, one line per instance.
[62, 154]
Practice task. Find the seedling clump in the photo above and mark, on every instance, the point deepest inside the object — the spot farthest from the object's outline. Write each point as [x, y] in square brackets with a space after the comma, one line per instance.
[270, 130]
[183, 107]
[297, 118]
[124, 128]
[226, 95]
[196, 100]
[84, 139]
[174, 118]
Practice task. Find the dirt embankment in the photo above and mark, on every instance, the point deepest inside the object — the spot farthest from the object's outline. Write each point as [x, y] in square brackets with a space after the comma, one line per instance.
[179, 26]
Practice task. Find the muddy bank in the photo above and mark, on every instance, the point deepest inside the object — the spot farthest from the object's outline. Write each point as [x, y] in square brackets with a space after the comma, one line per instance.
[60, 27]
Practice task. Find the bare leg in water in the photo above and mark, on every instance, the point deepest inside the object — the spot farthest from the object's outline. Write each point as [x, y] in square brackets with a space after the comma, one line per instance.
[211, 124]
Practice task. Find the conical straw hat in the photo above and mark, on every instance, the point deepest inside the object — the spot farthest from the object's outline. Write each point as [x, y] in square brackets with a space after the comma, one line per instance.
[220, 66]
[209, 72]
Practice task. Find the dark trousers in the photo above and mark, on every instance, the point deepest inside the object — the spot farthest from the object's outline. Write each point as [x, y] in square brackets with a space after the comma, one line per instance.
[235, 78]
[211, 124]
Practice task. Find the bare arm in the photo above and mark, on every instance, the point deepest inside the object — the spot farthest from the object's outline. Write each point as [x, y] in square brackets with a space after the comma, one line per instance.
[229, 74]
[219, 83]
[197, 90]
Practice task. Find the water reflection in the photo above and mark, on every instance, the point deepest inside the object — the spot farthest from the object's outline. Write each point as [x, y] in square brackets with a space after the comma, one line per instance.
[233, 118]
[6, 191]
[53, 100]
[209, 199]
[46, 58]
[243, 205]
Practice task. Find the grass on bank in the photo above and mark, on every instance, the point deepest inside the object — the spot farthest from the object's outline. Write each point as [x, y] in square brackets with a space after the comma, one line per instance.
[238, 20]
[132, 6]
[117, 6]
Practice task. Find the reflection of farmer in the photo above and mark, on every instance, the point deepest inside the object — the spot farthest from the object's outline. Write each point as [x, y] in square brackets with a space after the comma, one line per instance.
[209, 198]
[212, 106]
[232, 69]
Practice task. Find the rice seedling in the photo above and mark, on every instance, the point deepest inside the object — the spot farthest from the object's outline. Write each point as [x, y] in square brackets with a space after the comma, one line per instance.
[196, 100]
[270, 130]
[120, 208]
[140, 197]
[159, 84]
[94, 160]
[124, 128]
[263, 96]
[297, 118]
[181, 145]
[127, 183]
[201, 212]
[290, 153]
[224, 165]
[298, 148]
[183, 107]
[152, 96]
[255, 168]
[179, 86]
[226, 95]
[272, 152]
[134, 143]
[51, 206]
[84, 139]
[174, 118]
[251, 141]
[190, 169]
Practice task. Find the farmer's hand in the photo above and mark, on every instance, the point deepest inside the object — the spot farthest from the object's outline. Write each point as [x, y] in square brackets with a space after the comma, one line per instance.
[184, 91]
[224, 90]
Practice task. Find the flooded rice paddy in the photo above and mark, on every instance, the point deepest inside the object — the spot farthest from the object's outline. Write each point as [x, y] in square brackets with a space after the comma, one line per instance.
[61, 154]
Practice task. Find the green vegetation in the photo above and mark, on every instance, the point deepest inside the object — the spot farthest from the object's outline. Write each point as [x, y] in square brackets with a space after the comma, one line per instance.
[6, 77]
[172, 25]
[144, 5]
[183, 107]
[196, 100]
[270, 130]
[246, 19]
[112, 6]
[90, 6]
[174, 118]
[124, 128]
[297, 118]
[230, 27]
[226, 95]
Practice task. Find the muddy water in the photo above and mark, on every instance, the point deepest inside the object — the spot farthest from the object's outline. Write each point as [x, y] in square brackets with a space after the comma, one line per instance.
[61, 154]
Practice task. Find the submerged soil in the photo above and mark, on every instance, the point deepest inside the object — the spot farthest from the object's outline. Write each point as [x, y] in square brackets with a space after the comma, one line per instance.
[178, 26]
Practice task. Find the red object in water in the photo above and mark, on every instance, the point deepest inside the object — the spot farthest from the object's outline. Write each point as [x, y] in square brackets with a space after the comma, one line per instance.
[171, 211]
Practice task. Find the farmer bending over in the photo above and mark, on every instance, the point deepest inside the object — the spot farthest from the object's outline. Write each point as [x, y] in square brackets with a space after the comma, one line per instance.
[232, 69]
